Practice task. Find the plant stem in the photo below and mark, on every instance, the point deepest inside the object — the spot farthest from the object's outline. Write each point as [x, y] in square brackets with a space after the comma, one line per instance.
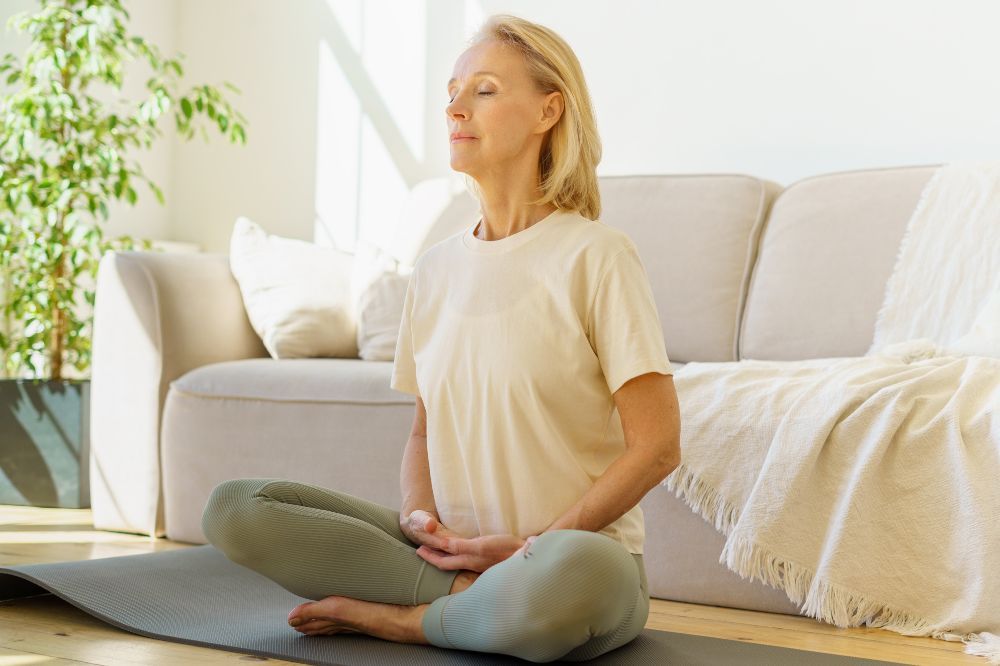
[58, 332]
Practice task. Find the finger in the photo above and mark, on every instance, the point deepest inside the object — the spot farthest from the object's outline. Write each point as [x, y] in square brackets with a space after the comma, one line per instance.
[432, 555]
[430, 526]
[434, 541]
[453, 543]
[435, 551]
[445, 561]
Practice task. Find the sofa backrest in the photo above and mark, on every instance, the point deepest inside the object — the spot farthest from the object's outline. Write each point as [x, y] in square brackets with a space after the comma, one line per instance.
[826, 253]
[697, 237]
[740, 266]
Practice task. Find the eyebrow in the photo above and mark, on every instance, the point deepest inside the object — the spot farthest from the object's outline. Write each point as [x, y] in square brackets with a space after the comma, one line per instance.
[451, 81]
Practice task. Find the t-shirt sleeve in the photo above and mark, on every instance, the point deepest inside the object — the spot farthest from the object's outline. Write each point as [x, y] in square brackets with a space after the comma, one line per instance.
[624, 325]
[404, 368]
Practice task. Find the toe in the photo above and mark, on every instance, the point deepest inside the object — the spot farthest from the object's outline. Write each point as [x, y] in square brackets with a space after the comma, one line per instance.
[299, 611]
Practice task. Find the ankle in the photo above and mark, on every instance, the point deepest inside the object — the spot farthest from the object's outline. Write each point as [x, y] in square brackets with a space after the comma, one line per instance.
[463, 580]
[415, 629]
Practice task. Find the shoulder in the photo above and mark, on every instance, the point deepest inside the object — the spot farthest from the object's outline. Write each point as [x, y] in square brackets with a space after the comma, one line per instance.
[596, 244]
[596, 230]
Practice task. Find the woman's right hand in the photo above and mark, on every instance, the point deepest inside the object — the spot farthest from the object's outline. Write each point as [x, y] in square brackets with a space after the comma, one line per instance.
[422, 527]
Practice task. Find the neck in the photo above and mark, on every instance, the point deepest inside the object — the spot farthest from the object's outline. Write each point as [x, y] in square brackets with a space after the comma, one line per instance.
[505, 200]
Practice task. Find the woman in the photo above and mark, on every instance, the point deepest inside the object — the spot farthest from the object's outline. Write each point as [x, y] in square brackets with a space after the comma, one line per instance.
[520, 531]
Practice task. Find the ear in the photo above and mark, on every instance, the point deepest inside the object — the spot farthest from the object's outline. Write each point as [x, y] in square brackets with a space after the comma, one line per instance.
[552, 110]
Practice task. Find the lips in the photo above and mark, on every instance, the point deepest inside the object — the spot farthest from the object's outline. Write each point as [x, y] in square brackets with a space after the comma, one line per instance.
[459, 135]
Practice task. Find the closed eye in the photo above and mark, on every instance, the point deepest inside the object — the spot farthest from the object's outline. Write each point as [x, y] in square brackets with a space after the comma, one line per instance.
[481, 92]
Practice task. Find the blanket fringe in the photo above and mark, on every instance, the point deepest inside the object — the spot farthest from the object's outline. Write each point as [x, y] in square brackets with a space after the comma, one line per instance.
[703, 499]
[817, 598]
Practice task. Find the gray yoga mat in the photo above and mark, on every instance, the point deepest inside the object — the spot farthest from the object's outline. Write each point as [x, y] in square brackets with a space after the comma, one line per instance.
[198, 596]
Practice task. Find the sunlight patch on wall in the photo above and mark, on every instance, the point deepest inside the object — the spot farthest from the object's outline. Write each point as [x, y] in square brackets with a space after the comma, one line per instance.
[371, 117]
[338, 155]
[394, 55]
[383, 189]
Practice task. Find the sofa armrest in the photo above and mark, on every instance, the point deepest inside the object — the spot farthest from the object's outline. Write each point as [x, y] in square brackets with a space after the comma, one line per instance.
[156, 316]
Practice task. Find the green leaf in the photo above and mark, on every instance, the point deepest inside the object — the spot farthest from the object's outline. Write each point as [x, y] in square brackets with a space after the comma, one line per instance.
[186, 107]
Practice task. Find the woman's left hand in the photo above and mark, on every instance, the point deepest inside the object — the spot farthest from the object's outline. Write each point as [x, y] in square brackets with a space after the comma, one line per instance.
[475, 554]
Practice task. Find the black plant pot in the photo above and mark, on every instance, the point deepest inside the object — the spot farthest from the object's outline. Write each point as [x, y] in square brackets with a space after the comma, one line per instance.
[45, 442]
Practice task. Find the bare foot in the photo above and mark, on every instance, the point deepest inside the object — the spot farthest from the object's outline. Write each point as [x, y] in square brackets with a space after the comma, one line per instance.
[335, 615]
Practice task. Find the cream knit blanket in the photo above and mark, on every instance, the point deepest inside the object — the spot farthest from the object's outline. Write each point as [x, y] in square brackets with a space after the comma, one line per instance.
[868, 488]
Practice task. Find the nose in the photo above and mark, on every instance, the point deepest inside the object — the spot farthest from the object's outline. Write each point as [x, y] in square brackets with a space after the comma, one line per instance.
[455, 110]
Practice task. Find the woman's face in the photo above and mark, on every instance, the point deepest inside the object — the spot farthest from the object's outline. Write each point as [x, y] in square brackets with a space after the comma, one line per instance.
[493, 100]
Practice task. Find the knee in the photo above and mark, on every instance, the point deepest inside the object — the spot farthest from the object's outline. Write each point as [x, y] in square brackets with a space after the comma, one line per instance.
[593, 556]
[597, 574]
[228, 514]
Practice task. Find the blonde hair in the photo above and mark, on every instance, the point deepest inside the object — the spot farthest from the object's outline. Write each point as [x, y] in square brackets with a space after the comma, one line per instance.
[569, 156]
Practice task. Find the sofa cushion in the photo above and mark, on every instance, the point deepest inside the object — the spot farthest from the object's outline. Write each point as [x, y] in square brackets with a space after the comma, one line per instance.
[826, 254]
[297, 380]
[327, 421]
[697, 236]
[292, 380]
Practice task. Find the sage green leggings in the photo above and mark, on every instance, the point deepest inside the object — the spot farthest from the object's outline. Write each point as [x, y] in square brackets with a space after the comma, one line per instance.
[577, 595]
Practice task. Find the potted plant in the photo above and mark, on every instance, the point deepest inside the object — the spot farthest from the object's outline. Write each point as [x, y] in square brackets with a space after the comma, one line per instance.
[63, 159]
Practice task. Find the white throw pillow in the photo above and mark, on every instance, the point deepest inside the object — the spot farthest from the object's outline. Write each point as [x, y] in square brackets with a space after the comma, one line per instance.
[380, 315]
[297, 294]
[378, 288]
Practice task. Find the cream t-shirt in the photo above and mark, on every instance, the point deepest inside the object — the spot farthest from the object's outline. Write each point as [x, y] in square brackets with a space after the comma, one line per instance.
[516, 346]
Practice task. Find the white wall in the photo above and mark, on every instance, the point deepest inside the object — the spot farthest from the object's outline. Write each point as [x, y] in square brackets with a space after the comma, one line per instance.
[345, 99]
[784, 89]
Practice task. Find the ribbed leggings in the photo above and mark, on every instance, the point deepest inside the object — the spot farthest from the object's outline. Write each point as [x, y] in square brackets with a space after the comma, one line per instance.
[577, 595]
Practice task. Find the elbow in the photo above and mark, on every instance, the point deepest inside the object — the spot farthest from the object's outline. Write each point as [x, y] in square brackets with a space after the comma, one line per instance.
[668, 467]
[670, 457]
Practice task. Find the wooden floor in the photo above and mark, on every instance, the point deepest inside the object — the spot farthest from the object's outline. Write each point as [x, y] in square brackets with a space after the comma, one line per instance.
[46, 630]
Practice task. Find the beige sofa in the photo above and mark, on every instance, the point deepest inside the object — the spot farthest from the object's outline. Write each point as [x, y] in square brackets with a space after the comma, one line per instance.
[185, 396]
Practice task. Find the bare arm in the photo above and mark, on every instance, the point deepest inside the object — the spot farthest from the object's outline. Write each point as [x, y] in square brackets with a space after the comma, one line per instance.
[415, 475]
[650, 418]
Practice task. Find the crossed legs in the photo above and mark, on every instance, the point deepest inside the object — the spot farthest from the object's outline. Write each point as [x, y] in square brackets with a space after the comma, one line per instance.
[578, 595]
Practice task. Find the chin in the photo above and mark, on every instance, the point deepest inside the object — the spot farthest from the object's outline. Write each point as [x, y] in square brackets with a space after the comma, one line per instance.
[462, 167]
